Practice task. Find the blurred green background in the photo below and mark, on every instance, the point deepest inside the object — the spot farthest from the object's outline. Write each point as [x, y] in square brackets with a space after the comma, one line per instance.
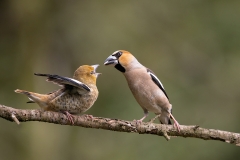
[193, 47]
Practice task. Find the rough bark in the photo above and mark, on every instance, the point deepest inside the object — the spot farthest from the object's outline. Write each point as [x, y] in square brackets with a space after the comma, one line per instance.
[20, 115]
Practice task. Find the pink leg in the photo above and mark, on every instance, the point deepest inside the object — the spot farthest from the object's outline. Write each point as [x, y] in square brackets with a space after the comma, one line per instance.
[69, 117]
[145, 115]
[176, 124]
[89, 116]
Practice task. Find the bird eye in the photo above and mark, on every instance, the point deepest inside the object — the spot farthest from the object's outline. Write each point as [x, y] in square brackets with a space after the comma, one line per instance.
[117, 54]
[92, 72]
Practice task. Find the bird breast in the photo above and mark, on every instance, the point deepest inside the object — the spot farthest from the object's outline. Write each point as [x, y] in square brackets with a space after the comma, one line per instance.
[148, 95]
[74, 103]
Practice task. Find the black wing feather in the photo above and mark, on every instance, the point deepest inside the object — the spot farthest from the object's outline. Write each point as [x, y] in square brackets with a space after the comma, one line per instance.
[157, 81]
[64, 81]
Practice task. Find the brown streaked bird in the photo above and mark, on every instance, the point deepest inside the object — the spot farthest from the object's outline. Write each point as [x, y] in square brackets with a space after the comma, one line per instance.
[76, 96]
[145, 86]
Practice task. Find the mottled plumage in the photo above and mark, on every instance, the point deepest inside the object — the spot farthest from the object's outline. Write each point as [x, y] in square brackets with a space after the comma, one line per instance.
[144, 85]
[76, 96]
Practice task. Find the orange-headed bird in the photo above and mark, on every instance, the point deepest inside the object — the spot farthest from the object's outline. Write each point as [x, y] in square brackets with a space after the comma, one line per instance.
[76, 96]
[145, 86]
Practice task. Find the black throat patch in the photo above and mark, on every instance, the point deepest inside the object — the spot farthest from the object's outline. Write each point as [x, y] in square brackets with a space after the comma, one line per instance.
[120, 68]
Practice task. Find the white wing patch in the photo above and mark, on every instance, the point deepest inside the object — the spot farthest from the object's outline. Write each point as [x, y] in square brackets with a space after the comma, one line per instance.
[63, 81]
[73, 82]
[78, 82]
[155, 77]
[157, 81]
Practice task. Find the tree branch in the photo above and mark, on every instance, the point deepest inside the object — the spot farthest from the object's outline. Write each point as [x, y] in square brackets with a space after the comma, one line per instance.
[167, 131]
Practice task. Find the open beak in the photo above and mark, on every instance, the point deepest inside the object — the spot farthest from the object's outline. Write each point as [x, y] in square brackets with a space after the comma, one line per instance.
[95, 68]
[111, 60]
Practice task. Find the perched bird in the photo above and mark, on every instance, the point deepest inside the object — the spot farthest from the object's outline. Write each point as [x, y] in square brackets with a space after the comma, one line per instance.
[145, 86]
[76, 96]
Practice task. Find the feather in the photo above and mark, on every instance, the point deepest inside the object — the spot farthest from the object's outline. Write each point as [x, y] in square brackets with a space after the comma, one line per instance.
[157, 81]
[64, 81]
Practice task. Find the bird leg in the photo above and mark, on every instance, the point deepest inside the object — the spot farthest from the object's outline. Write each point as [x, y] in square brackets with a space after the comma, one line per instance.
[145, 115]
[176, 124]
[153, 119]
[69, 116]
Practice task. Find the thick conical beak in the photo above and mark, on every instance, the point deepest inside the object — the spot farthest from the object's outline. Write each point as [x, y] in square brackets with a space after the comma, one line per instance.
[111, 60]
[95, 68]
[97, 74]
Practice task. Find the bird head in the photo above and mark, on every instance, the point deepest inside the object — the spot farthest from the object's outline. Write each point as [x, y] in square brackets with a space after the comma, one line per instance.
[87, 74]
[122, 60]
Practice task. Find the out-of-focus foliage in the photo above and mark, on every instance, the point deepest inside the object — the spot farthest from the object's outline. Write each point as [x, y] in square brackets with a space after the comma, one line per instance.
[193, 46]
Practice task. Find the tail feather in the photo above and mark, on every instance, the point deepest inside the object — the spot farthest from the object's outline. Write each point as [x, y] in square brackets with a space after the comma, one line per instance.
[40, 99]
[40, 74]
[33, 97]
[30, 101]
[22, 92]
[169, 122]
[165, 118]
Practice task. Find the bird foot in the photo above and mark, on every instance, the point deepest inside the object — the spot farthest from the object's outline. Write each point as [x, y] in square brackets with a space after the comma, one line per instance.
[88, 116]
[141, 120]
[138, 121]
[69, 117]
[176, 125]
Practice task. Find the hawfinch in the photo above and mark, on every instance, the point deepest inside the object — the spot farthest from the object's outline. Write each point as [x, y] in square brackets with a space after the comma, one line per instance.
[145, 86]
[75, 96]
